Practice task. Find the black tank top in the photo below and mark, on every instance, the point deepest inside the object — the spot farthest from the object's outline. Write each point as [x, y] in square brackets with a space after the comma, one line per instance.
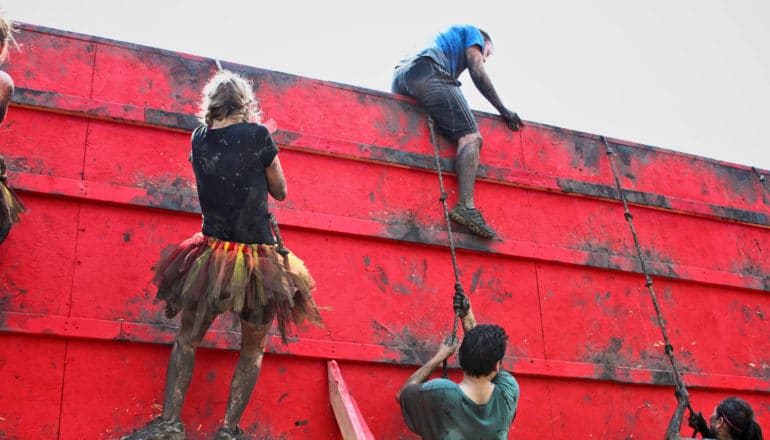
[229, 165]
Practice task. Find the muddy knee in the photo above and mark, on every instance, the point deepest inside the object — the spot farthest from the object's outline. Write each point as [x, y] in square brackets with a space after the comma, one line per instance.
[469, 144]
[187, 342]
[253, 340]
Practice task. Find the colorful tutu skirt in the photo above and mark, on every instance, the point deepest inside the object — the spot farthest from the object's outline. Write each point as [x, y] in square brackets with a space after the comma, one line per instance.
[206, 275]
[10, 206]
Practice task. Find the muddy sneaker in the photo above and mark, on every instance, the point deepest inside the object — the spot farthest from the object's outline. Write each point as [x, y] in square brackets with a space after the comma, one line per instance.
[471, 218]
[228, 434]
[158, 429]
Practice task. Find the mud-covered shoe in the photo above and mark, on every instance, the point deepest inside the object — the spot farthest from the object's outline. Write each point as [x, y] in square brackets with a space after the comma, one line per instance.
[471, 218]
[158, 429]
[230, 434]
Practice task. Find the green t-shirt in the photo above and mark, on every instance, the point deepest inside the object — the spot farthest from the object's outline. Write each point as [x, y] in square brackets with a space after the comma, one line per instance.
[439, 410]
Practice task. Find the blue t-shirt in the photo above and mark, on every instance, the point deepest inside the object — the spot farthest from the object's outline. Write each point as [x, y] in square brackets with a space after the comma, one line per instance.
[449, 48]
[438, 409]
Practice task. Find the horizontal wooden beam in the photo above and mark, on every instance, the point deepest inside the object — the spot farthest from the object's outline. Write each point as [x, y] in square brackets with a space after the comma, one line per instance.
[105, 330]
[151, 198]
[87, 107]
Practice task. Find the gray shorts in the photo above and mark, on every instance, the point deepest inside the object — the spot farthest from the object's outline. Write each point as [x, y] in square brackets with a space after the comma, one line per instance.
[438, 93]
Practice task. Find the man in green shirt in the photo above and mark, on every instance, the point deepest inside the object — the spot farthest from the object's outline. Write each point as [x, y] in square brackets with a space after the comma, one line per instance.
[482, 406]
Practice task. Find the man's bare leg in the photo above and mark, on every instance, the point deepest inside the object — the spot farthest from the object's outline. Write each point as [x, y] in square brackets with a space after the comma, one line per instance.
[181, 363]
[253, 338]
[467, 165]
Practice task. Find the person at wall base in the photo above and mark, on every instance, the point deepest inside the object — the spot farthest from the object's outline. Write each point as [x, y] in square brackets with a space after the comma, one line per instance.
[482, 406]
[732, 419]
[233, 264]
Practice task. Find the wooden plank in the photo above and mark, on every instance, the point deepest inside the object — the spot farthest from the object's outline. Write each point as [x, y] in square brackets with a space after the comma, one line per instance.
[112, 388]
[31, 379]
[348, 415]
[749, 206]
[567, 238]
[601, 358]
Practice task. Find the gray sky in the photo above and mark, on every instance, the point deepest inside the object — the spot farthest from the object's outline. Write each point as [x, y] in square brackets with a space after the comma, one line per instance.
[688, 75]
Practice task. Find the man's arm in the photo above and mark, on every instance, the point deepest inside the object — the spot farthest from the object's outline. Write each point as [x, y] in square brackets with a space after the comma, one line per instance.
[423, 373]
[468, 321]
[462, 308]
[474, 58]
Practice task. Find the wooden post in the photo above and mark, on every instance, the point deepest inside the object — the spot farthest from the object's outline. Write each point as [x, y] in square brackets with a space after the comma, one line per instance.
[349, 417]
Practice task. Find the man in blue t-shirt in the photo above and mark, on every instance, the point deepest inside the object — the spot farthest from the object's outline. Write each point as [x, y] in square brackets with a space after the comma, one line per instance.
[431, 78]
[482, 406]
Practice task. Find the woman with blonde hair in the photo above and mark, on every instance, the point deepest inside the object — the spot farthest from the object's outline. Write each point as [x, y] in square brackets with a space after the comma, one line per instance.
[233, 264]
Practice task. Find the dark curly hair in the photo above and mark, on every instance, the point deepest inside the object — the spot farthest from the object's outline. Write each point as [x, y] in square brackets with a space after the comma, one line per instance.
[739, 417]
[482, 347]
[485, 35]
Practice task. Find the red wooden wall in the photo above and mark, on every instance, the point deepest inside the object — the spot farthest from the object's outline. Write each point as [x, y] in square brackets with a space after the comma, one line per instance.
[97, 143]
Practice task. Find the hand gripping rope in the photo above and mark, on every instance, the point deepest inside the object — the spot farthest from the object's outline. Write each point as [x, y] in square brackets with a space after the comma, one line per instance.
[648, 280]
[762, 178]
[442, 199]
[279, 241]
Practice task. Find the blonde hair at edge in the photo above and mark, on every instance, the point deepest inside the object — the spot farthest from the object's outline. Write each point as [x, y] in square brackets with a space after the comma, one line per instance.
[6, 36]
[228, 94]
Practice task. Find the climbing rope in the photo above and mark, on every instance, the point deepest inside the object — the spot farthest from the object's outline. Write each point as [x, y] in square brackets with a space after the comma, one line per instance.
[442, 199]
[669, 348]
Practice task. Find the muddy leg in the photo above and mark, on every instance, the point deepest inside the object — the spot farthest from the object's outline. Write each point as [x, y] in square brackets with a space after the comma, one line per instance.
[246, 372]
[4, 230]
[182, 362]
[468, 148]
[465, 212]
